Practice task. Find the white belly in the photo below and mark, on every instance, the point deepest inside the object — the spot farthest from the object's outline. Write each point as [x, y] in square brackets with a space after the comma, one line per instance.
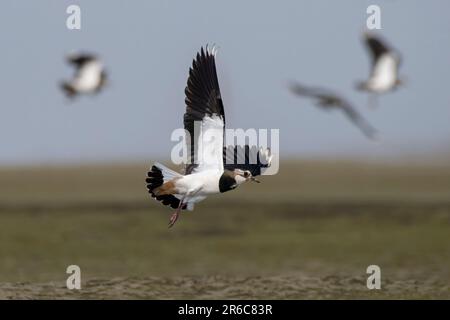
[196, 187]
[199, 184]
[384, 75]
[88, 78]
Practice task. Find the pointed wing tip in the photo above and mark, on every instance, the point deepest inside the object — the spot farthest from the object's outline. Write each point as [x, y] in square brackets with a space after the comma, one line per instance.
[211, 50]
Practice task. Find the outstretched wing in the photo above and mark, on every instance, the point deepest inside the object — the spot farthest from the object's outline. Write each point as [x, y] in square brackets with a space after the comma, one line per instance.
[310, 92]
[325, 98]
[377, 47]
[328, 98]
[80, 59]
[385, 60]
[357, 119]
[204, 120]
[246, 158]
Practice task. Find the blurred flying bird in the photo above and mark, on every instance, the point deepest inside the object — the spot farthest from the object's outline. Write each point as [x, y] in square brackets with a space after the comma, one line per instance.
[385, 64]
[328, 100]
[208, 169]
[90, 76]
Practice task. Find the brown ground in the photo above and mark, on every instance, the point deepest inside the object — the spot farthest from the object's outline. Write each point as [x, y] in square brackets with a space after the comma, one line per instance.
[309, 232]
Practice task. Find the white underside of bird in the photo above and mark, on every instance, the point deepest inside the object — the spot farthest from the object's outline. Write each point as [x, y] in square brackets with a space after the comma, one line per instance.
[204, 181]
[88, 78]
[195, 187]
[384, 75]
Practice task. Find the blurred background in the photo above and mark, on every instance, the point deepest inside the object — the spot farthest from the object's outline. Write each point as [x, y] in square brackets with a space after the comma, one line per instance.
[72, 172]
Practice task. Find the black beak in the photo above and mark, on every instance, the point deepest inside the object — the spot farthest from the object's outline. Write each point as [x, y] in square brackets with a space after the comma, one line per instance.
[254, 179]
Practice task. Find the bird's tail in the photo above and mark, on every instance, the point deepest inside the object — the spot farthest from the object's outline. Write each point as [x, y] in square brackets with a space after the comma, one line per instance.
[68, 89]
[168, 174]
[159, 179]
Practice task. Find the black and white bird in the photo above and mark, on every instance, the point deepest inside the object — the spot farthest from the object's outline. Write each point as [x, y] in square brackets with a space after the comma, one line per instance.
[90, 75]
[384, 74]
[327, 100]
[210, 168]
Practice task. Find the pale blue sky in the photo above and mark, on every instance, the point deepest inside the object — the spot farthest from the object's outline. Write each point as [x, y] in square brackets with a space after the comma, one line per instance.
[148, 47]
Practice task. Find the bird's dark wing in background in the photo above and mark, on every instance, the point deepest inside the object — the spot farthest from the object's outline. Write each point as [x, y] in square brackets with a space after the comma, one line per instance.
[355, 117]
[324, 97]
[310, 92]
[248, 158]
[327, 98]
[377, 47]
[80, 59]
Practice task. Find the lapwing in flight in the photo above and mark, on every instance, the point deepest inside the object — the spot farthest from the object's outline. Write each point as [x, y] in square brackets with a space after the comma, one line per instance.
[326, 99]
[210, 168]
[384, 74]
[90, 75]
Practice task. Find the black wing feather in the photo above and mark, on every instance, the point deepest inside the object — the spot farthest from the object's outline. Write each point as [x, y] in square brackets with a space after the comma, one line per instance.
[81, 59]
[244, 158]
[203, 98]
[376, 46]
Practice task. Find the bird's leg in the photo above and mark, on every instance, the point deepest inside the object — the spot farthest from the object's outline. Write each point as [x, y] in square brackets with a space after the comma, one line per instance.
[176, 214]
[186, 198]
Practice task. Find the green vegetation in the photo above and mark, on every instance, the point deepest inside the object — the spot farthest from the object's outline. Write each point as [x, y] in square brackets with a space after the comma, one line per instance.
[310, 231]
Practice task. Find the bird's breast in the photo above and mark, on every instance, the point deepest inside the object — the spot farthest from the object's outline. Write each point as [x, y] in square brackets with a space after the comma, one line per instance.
[204, 183]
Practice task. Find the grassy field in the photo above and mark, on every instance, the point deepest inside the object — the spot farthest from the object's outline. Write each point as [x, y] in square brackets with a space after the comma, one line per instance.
[309, 232]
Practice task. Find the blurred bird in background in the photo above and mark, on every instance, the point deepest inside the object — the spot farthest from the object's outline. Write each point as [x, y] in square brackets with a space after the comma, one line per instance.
[90, 75]
[327, 100]
[385, 65]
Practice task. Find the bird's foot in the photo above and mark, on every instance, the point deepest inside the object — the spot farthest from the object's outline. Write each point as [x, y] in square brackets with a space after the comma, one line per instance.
[174, 218]
[176, 214]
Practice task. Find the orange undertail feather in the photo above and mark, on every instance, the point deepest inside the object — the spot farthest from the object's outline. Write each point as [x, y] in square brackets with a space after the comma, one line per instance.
[166, 189]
